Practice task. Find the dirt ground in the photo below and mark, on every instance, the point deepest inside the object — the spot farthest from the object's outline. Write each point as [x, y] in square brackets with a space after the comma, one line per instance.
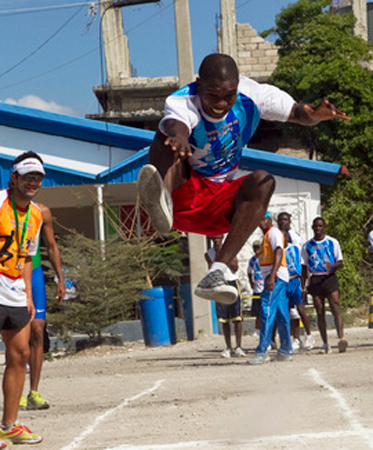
[186, 396]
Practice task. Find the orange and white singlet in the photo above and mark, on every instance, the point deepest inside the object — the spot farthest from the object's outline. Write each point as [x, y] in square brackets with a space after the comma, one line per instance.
[14, 249]
[272, 240]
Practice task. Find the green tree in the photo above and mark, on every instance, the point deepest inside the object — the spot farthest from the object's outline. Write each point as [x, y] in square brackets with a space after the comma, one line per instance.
[320, 57]
[109, 278]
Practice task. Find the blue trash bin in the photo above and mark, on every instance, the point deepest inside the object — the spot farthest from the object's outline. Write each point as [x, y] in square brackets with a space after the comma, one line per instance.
[186, 302]
[158, 316]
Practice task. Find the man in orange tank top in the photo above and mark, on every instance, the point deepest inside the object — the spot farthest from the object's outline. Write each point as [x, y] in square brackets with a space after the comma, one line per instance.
[20, 223]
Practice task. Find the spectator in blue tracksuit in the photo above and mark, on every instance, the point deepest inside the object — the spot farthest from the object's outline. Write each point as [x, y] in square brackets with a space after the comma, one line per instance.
[274, 303]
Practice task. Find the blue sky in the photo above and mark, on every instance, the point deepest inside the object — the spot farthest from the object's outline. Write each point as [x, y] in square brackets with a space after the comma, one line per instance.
[51, 48]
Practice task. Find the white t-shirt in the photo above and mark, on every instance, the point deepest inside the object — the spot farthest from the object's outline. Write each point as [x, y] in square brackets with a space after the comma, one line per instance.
[316, 254]
[217, 144]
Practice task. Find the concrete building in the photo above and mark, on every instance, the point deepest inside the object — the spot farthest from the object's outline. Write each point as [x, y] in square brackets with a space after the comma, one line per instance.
[138, 101]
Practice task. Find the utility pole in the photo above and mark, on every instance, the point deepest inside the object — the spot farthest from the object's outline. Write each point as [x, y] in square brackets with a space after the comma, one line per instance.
[359, 8]
[228, 28]
[117, 56]
[183, 42]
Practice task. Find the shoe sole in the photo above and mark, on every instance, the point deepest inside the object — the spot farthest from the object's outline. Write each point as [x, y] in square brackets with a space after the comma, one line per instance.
[284, 358]
[342, 345]
[324, 351]
[257, 363]
[34, 408]
[227, 296]
[153, 197]
[26, 441]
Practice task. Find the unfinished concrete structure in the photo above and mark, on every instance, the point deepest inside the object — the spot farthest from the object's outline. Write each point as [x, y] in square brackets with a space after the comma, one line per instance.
[138, 101]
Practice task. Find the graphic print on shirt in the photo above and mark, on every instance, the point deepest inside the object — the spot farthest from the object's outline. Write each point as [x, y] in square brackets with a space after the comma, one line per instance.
[7, 242]
[319, 255]
[293, 260]
[12, 251]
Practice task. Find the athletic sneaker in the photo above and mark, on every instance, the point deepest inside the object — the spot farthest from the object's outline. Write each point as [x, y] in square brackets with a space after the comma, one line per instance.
[23, 402]
[296, 344]
[284, 357]
[326, 348]
[155, 198]
[259, 358]
[4, 444]
[293, 313]
[239, 352]
[256, 334]
[19, 434]
[36, 401]
[309, 342]
[215, 287]
[226, 353]
[342, 345]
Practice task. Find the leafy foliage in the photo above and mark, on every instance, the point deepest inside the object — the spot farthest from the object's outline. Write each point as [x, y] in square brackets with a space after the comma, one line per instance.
[109, 279]
[320, 57]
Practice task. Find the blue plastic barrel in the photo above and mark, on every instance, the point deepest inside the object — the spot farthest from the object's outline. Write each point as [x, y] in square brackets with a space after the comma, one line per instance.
[158, 316]
[186, 302]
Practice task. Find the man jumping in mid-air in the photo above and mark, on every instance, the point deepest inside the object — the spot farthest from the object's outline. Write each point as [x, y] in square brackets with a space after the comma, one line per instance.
[189, 182]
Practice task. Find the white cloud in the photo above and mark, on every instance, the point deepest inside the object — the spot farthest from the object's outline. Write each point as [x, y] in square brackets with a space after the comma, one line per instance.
[33, 101]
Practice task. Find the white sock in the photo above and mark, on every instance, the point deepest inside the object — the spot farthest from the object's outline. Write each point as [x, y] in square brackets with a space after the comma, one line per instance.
[218, 266]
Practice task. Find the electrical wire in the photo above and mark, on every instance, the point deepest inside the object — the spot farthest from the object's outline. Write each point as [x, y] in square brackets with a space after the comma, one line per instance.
[47, 72]
[13, 12]
[67, 63]
[41, 45]
[243, 4]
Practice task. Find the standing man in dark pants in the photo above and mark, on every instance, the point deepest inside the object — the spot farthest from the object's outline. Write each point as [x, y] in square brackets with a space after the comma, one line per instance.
[323, 257]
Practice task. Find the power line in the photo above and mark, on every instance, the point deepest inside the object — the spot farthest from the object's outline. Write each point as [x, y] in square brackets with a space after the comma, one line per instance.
[42, 45]
[243, 4]
[13, 12]
[67, 63]
[47, 72]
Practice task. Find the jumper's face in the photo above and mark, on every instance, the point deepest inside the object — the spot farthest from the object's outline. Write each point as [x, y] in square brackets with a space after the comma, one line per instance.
[27, 185]
[318, 228]
[217, 96]
[284, 222]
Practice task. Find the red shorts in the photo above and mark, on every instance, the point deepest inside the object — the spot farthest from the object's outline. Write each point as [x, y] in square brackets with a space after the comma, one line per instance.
[203, 206]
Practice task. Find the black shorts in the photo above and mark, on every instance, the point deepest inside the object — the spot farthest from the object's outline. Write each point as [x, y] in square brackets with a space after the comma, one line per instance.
[13, 317]
[255, 305]
[323, 285]
[229, 313]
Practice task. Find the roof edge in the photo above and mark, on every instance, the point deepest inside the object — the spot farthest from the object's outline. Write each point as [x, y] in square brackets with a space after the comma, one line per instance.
[80, 128]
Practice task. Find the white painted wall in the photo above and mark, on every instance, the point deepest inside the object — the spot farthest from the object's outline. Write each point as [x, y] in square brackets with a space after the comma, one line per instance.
[299, 198]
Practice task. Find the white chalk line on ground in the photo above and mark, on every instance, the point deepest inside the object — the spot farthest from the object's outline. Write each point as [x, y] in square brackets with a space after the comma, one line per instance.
[356, 431]
[349, 413]
[260, 442]
[99, 419]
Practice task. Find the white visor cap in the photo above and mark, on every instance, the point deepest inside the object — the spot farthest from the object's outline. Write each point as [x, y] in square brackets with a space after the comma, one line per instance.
[29, 165]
